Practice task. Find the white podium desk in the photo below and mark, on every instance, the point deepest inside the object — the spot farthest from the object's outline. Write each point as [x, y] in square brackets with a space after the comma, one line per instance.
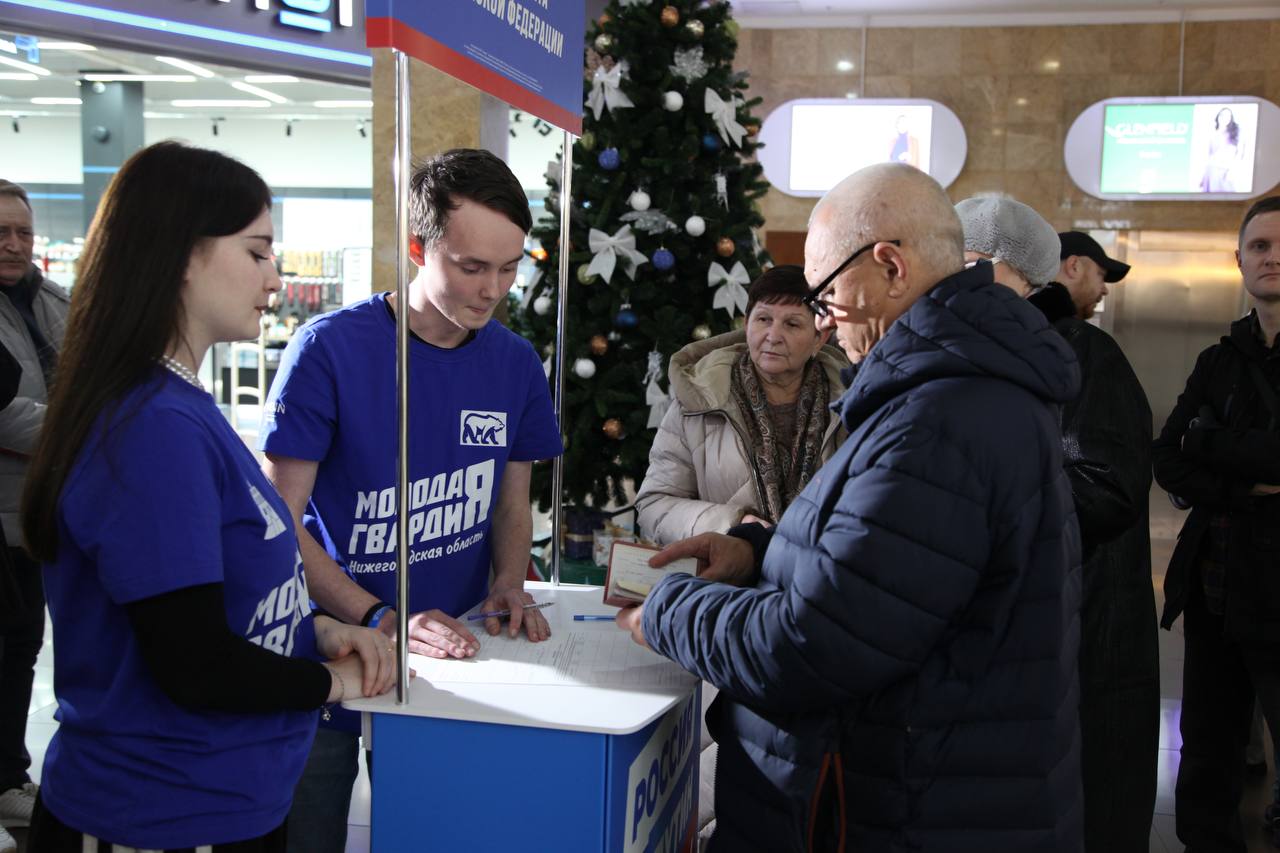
[585, 742]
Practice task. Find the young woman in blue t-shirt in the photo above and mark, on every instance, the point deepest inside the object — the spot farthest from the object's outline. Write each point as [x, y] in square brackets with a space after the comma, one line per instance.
[181, 619]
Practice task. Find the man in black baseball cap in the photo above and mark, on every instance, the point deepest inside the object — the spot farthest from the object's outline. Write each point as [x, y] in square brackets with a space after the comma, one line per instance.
[1086, 271]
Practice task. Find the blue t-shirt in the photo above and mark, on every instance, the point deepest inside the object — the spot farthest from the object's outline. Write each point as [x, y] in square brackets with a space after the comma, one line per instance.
[471, 410]
[166, 496]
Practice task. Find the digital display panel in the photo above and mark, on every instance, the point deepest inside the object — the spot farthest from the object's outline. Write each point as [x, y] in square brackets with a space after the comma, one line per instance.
[831, 141]
[1179, 148]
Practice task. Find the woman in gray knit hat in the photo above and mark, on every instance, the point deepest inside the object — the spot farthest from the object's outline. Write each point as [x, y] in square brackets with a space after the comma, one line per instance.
[1106, 449]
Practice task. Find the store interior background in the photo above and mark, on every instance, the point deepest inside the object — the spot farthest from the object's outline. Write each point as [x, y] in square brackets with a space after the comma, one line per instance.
[1016, 74]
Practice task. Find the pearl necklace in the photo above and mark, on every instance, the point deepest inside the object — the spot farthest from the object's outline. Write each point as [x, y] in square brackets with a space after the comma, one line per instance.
[181, 371]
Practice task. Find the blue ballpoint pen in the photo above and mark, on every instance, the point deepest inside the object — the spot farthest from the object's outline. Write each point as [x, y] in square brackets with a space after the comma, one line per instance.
[592, 617]
[498, 614]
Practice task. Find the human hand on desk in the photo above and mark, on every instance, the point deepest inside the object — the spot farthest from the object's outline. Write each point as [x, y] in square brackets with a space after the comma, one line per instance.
[632, 619]
[514, 599]
[726, 559]
[434, 634]
[361, 660]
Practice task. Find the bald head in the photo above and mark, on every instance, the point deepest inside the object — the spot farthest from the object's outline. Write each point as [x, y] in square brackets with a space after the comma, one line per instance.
[894, 201]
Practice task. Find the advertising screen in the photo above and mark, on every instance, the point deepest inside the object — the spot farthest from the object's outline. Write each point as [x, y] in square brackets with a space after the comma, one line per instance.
[1179, 148]
[830, 141]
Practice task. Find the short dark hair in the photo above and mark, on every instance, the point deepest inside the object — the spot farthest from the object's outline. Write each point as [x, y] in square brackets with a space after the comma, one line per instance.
[441, 183]
[1270, 204]
[781, 285]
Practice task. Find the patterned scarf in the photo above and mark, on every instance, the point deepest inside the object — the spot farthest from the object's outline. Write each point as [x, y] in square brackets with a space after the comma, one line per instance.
[781, 472]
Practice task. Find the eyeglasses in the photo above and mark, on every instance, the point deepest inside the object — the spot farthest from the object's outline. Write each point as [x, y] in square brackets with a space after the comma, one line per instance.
[813, 300]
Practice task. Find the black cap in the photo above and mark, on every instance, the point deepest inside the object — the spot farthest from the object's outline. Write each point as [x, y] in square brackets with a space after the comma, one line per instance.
[1079, 243]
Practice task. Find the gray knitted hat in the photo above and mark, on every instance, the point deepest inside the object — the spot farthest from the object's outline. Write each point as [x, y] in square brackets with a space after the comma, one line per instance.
[1013, 232]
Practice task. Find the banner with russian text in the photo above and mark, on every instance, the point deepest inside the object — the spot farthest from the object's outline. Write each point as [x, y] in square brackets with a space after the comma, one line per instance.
[528, 53]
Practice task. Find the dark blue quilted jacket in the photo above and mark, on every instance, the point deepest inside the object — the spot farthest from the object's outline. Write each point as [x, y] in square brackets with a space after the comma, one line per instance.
[903, 677]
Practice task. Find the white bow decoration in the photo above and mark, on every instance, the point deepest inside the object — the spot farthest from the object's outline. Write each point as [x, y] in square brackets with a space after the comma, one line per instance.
[732, 284]
[654, 396]
[608, 250]
[724, 113]
[605, 91]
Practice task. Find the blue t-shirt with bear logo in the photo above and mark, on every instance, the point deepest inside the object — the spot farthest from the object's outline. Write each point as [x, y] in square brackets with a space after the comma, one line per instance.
[163, 496]
[472, 410]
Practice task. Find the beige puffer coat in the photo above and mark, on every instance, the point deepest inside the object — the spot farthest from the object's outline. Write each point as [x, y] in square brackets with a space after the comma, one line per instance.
[701, 477]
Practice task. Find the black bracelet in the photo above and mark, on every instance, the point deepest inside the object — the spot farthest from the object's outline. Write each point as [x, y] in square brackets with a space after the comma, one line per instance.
[368, 614]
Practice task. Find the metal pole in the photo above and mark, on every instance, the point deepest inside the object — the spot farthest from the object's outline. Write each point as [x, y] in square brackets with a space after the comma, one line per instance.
[400, 172]
[557, 466]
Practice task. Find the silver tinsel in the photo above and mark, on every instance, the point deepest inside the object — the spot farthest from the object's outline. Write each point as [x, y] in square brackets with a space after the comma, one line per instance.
[650, 221]
[689, 64]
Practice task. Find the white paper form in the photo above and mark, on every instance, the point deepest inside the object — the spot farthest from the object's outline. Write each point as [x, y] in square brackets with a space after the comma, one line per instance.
[569, 657]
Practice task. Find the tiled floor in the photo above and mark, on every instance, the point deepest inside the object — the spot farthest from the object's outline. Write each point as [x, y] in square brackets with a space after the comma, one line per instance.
[1164, 526]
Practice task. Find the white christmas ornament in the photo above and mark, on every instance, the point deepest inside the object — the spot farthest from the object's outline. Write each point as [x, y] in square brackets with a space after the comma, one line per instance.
[585, 368]
[695, 226]
[731, 287]
[689, 64]
[725, 115]
[653, 394]
[541, 306]
[609, 250]
[640, 200]
[672, 101]
[605, 91]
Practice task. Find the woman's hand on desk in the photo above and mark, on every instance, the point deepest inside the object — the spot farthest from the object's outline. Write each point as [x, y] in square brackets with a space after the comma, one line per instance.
[510, 598]
[632, 619]
[369, 651]
[726, 559]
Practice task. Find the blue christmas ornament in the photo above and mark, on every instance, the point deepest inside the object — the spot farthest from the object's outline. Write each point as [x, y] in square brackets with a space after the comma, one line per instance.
[663, 260]
[626, 319]
[609, 159]
[711, 142]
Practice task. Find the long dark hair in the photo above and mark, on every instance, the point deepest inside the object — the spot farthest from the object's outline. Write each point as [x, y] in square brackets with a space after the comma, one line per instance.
[1233, 129]
[126, 308]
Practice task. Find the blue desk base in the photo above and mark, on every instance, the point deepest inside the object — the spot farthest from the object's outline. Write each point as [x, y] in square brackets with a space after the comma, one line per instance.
[451, 786]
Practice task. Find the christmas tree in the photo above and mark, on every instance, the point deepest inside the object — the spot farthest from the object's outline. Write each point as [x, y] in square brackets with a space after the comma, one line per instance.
[663, 242]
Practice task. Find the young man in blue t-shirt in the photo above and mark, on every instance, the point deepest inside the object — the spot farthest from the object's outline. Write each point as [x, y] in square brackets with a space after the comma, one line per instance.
[480, 413]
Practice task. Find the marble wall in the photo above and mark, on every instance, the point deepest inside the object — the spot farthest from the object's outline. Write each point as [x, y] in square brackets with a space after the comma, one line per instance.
[1017, 90]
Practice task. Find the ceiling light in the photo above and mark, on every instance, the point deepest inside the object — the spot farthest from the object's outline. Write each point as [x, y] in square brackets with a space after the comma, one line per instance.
[198, 70]
[339, 105]
[844, 65]
[52, 101]
[361, 129]
[140, 78]
[17, 75]
[8, 46]
[65, 45]
[219, 102]
[270, 78]
[261, 93]
[851, 95]
[1022, 102]
[1052, 65]
[25, 66]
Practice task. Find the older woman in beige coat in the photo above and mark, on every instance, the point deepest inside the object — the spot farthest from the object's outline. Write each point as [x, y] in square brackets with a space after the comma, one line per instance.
[749, 423]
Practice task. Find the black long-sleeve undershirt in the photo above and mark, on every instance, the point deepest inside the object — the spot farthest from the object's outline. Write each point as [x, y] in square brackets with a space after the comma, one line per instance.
[200, 663]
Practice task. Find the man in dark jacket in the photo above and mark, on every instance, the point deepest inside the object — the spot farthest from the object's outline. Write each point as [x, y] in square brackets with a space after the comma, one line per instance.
[1106, 435]
[1219, 453]
[899, 671]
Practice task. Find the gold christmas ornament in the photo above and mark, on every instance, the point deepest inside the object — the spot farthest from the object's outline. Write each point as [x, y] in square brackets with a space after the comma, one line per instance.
[725, 247]
[599, 345]
[604, 19]
[604, 42]
[695, 28]
[670, 16]
[752, 128]
[613, 428]
[701, 332]
[584, 275]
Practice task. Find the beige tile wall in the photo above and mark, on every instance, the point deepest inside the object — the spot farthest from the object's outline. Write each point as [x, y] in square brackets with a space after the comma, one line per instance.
[1017, 91]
